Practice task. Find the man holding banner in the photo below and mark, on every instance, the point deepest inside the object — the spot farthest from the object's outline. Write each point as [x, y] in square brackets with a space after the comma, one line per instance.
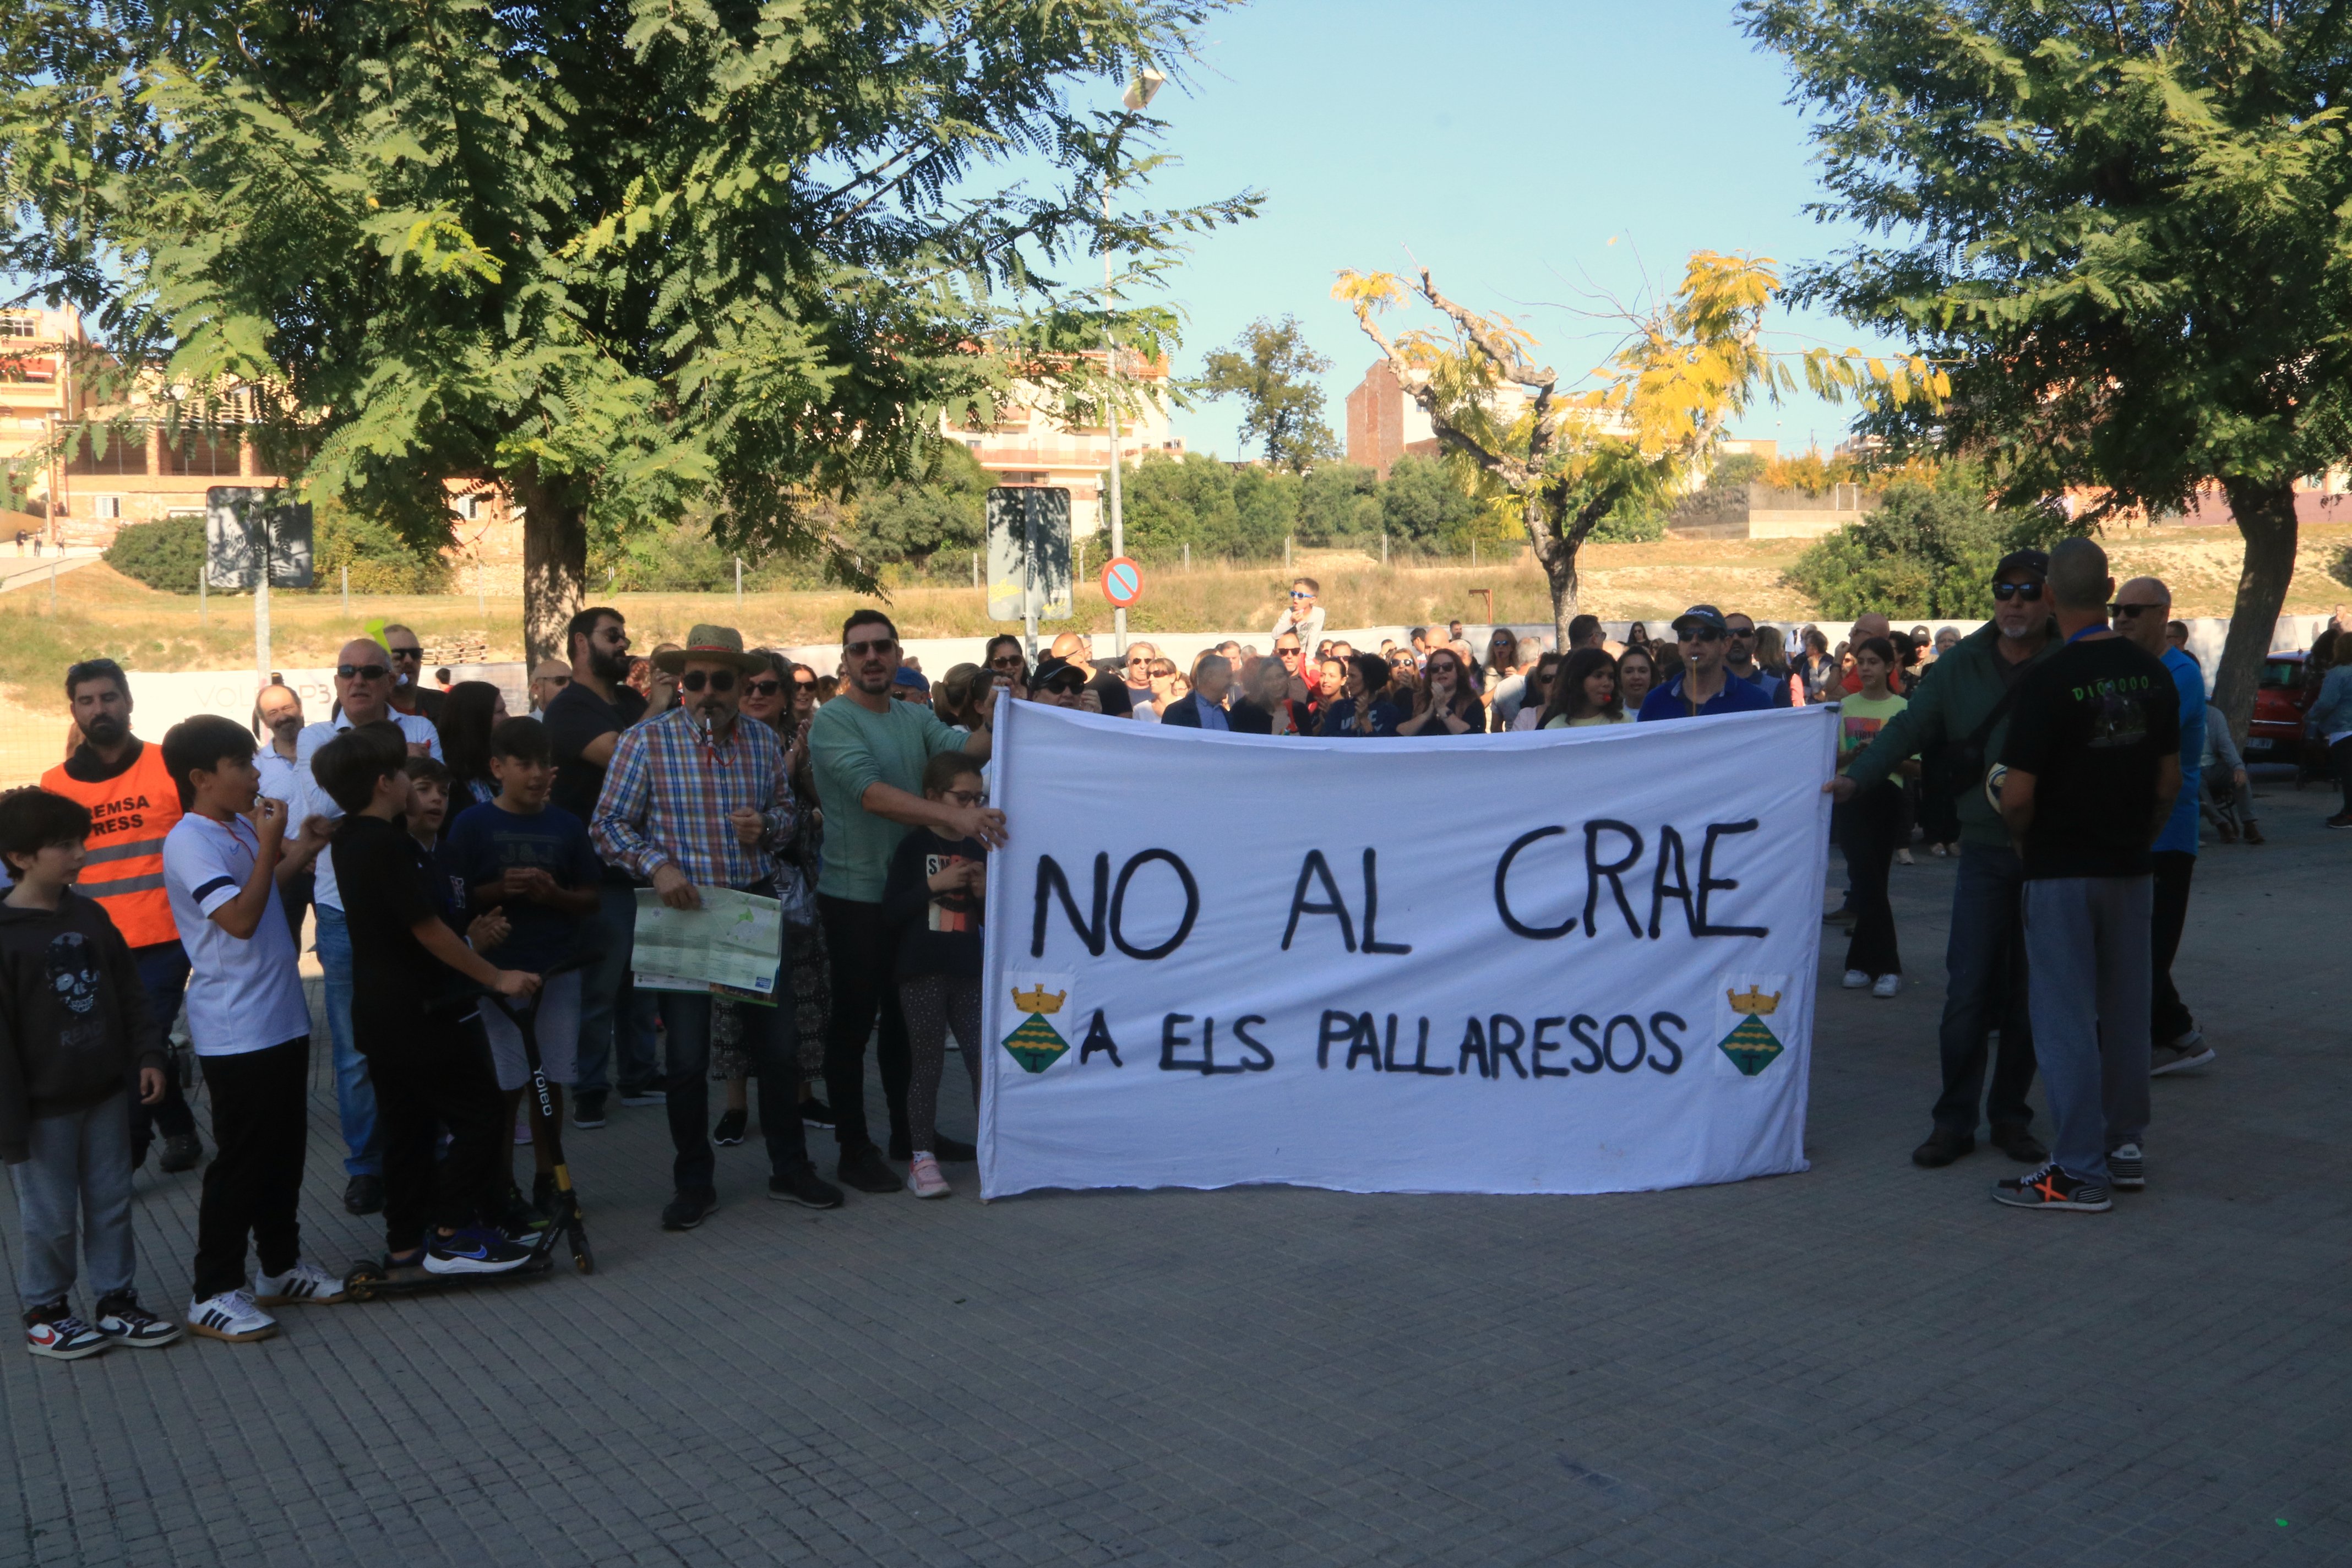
[693, 799]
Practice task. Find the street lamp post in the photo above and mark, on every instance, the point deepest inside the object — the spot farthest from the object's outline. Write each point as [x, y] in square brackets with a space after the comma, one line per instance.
[1137, 98]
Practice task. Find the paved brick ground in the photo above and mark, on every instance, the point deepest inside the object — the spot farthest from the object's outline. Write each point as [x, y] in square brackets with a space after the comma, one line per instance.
[1866, 1364]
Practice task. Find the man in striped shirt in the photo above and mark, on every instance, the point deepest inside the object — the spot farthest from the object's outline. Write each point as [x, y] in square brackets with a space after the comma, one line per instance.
[694, 799]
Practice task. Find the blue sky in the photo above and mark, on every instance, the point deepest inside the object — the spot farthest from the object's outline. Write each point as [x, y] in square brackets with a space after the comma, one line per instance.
[1505, 143]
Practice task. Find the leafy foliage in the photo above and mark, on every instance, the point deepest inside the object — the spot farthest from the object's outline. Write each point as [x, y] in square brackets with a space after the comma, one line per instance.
[629, 260]
[2127, 231]
[1421, 506]
[381, 558]
[167, 554]
[912, 522]
[1270, 367]
[1927, 552]
[1338, 502]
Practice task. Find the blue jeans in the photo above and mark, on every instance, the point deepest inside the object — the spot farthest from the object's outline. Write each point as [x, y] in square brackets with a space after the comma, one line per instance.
[770, 1039]
[612, 1011]
[354, 1093]
[1984, 989]
[81, 1161]
[2091, 958]
[163, 976]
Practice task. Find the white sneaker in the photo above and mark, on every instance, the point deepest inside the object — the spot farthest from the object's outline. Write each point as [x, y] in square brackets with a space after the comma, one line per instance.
[305, 1283]
[230, 1316]
[923, 1178]
[1855, 980]
[1886, 985]
[1903, 858]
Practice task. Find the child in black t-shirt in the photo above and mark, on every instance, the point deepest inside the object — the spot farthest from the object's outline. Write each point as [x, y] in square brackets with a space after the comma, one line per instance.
[429, 1070]
[934, 895]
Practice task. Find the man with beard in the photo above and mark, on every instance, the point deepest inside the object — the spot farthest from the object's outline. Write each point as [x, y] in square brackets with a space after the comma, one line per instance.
[584, 721]
[363, 687]
[698, 799]
[868, 754]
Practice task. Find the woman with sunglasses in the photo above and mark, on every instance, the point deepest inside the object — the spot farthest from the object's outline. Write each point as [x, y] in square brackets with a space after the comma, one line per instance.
[769, 699]
[1007, 665]
[1538, 695]
[1446, 704]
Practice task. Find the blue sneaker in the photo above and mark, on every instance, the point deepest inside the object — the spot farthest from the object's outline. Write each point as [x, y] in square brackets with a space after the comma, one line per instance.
[473, 1251]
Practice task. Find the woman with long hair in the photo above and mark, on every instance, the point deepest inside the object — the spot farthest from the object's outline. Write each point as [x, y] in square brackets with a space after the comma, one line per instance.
[1636, 673]
[773, 697]
[1446, 703]
[1772, 658]
[1585, 692]
[1637, 636]
[1540, 680]
[1816, 666]
[472, 710]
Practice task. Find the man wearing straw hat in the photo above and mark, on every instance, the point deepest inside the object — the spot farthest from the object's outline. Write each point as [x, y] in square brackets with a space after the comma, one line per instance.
[694, 799]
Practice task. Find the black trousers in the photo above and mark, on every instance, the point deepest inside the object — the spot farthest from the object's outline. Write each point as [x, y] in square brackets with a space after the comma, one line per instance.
[1866, 828]
[441, 1077]
[2168, 1018]
[863, 949]
[262, 1128]
[163, 976]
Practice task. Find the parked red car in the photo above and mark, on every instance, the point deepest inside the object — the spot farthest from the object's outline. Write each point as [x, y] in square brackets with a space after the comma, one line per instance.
[2274, 734]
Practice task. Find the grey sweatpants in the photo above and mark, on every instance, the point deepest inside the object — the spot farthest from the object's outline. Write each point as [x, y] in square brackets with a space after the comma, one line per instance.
[2087, 992]
[80, 1161]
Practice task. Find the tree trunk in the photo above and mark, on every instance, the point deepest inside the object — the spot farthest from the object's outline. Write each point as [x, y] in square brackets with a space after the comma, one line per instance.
[1558, 559]
[2265, 513]
[554, 566]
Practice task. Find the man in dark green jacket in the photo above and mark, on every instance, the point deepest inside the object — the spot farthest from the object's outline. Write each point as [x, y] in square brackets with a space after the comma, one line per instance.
[1960, 710]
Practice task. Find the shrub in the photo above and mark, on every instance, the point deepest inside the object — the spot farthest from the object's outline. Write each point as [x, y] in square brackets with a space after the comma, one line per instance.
[1925, 554]
[167, 554]
[380, 558]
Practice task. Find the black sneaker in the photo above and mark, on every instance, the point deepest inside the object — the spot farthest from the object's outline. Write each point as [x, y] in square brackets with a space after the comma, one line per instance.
[816, 1113]
[182, 1151]
[2052, 1188]
[363, 1193]
[730, 1131]
[522, 1222]
[588, 1110]
[802, 1186]
[1943, 1146]
[2341, 819]
[640, 1097]
[477, 1249]
[2128, 1168]
[862, 1167]
[125, 1323]
[688, 1210]
[2020, 1145]
[542, 1193]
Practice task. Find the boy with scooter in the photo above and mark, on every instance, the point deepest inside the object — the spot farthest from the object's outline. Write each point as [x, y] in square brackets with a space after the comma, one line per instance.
[428, 1069]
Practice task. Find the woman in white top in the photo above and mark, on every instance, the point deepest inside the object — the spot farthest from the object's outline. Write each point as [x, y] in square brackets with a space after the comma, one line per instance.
[1584, 692]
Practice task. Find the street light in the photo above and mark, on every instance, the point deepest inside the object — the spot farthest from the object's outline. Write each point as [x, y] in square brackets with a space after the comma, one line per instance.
[1137, 98]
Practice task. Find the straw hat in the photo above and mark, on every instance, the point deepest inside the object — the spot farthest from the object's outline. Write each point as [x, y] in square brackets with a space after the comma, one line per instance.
[712, 645]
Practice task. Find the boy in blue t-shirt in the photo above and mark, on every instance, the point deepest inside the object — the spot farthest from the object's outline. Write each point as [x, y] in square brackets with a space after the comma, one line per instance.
[533, 862]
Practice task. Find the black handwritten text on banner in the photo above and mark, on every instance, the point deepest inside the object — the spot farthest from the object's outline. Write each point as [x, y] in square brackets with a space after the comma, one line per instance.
[1579, 961]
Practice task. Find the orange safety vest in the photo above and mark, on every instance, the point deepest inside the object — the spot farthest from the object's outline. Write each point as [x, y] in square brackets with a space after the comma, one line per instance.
[123, 869]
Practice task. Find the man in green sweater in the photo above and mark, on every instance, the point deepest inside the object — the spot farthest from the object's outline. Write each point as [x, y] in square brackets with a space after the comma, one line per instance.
[1960, 712]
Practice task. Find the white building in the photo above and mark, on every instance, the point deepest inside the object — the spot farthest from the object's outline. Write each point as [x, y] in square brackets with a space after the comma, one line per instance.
[1031, 443]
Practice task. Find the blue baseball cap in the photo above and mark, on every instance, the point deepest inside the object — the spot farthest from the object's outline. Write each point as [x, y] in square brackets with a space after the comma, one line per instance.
[913, 677]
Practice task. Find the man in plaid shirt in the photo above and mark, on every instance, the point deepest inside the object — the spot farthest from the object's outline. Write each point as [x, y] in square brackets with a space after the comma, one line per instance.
[694, 798]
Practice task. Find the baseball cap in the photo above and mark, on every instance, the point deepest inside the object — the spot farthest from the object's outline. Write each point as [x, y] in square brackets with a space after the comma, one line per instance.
[1050, 669]
[913, 677]
[2034, 561]
[1699, 616]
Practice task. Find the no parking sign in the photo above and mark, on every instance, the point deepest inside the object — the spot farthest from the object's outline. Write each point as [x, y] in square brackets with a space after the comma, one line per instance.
[1123, 581]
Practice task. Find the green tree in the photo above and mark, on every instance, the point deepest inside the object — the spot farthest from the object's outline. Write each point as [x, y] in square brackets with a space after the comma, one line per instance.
[1338, 502]
[1265, 501]
[625, 259]
[1175, 502]
[1270, 367]
[911, 522]
[2125, 228]
[167, 554]
[1422, 507]
[1926, 552]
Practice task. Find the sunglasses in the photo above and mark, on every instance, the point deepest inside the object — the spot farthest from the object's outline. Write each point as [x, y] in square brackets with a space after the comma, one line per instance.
[1704, 634]
[2130, 612]
[1743, 636]
[808, 685]
[717, 679]
[1138, 664]
[1005, 661]
[2029, 592]
[557, 681]
[406, 652]
[874, 649]
[768, 688]
[361, 671]
[1300, 594]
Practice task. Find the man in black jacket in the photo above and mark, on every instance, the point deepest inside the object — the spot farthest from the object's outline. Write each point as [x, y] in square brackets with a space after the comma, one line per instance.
[1204, 708]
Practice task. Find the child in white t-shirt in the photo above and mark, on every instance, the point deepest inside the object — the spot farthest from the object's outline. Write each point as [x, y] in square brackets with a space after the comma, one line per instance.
[250, 1025]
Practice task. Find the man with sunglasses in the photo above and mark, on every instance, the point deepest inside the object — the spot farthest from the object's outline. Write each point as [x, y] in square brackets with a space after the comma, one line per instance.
[1076, 648]
[1705, 688]
[1962, 718]
[364, 683]
[2142, 608]
[868, 753]
[410, 694]
[696, 798]
[1740, 659]
[1137, 670]
[584, 724]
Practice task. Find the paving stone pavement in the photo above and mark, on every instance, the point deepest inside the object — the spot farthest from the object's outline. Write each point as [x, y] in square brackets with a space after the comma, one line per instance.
[1866, 1363]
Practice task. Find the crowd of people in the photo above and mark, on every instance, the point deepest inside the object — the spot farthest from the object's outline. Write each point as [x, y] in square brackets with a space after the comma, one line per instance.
[2063, 753]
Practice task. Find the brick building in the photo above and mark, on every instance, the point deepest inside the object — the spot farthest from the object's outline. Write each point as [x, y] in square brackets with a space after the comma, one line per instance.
[1031, 443]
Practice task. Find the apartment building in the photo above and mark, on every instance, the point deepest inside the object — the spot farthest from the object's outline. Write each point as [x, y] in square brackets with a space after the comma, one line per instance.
[1032, 444]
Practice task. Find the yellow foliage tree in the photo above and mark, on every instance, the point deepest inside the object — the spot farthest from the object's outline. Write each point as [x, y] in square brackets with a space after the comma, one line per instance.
[1640, 425]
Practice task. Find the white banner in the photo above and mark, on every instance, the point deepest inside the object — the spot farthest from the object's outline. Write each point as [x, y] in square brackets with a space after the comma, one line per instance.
[1581, 960]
